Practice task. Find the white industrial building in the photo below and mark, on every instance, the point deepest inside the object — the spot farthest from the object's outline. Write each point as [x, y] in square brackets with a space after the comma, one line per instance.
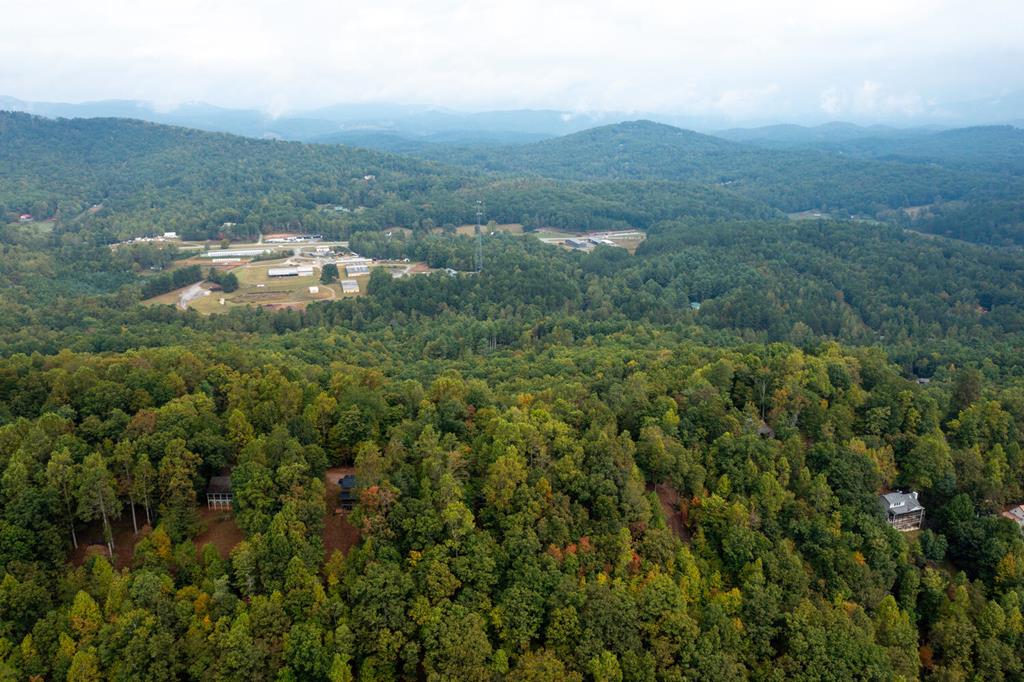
[302, 271]
[235, 253]
[349, 286]
[355, 270]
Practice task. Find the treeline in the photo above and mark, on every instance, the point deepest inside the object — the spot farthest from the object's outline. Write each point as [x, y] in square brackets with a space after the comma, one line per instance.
[227, 281]
[169, 281]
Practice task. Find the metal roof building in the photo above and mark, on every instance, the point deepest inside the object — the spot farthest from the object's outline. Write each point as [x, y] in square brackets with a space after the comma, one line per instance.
[902, 510]
[235, 253]
[354, 270]
[349, 286]
[290, 272]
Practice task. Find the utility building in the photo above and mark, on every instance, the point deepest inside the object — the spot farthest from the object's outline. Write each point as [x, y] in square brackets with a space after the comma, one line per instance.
[290, 272]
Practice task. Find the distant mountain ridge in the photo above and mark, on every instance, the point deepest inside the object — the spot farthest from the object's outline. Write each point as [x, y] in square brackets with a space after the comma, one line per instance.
[991, 147]
[339, 120]
[421, 122]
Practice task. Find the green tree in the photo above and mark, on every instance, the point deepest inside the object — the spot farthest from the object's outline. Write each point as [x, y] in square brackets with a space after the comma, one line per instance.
[62, 475]
[97, 496]
[329, 273]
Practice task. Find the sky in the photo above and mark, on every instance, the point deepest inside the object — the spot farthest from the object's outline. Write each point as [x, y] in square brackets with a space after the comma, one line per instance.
[864, 60]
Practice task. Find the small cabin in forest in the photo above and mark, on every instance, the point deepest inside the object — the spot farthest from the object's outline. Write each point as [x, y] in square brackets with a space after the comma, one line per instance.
[902, 510]
[347, 497]
[218, 493]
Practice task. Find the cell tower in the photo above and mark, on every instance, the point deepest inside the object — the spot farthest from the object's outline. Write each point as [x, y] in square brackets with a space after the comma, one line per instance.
[479, 237]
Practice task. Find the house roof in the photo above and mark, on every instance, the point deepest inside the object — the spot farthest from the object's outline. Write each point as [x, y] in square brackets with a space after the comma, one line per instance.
[219, 484]
[1016, 514]
[348, 481]
[901, 503]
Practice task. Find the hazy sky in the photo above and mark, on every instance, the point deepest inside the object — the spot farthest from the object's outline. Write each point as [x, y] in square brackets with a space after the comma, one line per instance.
[741, 59]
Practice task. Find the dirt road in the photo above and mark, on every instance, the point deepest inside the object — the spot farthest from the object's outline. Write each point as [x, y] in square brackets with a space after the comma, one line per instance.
[194, 291]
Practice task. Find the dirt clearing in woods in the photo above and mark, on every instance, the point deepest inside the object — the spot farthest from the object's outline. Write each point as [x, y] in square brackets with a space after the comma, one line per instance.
[671, 508]
[219, 530]
[91, 542]
[338, 532]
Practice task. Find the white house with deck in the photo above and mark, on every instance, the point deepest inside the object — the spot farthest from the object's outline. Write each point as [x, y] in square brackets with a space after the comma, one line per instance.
[902, 511]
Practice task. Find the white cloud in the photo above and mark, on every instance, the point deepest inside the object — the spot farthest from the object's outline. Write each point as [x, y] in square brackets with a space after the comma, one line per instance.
[737, 58]
[872, 100]
[831, 101]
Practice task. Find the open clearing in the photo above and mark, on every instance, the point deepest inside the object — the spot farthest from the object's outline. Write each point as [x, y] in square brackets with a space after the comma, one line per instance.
[339, 534]
[217, 527]
[510, 228]
[219, 530]
[256, 287]
[671, 507]
[812, 214]
[629, 240]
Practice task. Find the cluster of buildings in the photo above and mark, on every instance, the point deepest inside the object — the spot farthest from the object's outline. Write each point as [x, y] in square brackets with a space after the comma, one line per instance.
[165, 237]
[588, 242]
[294, 239]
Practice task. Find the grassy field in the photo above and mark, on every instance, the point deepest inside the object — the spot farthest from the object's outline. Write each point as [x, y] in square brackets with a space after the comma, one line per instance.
[551, 233]
[169, 298]
[257, 288]
[511, 228]
[34, 227]
[812, 214]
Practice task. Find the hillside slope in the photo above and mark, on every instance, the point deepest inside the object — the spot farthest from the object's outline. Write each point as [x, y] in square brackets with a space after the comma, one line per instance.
[791, 180]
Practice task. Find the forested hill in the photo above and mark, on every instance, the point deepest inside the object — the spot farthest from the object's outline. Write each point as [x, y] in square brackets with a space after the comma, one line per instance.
[791, 180]
[142, 172]
[993, 148]
[141, 175]
[611, 466]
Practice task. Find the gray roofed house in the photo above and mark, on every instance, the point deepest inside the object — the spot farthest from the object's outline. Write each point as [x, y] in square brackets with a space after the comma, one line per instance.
[903, 511]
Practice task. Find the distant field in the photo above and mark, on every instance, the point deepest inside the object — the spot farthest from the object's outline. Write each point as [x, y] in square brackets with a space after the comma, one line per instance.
[171, 297]
[36, 227]
[511, 228]
[257, 288]
[551, 233]
[813, 214]
[626, 239]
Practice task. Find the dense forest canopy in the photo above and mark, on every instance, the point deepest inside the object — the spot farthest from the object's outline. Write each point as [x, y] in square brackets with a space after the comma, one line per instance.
[598, 466]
